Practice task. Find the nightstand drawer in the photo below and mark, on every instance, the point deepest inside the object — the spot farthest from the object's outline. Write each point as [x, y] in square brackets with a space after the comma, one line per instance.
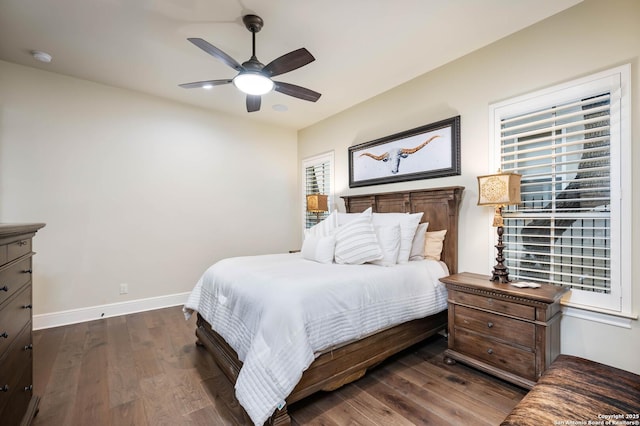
[494, 304]
[503, 356]
[504, 328]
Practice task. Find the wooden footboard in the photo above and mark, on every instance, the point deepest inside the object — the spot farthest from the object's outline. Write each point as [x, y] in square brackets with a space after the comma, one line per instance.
[332, 369]
[576, 391]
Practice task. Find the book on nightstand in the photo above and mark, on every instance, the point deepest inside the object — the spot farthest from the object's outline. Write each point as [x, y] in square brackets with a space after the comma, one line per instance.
[524, 284]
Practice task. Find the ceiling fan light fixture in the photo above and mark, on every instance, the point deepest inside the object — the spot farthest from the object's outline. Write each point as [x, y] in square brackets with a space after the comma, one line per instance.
[253, 83]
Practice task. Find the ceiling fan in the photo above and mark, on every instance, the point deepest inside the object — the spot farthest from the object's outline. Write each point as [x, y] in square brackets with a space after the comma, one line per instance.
[253, 77]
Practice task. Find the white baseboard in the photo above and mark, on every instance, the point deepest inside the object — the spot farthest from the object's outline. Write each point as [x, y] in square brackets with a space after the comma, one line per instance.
[91, 313]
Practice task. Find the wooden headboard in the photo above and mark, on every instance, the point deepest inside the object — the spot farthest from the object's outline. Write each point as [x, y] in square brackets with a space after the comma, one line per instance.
[440, 207]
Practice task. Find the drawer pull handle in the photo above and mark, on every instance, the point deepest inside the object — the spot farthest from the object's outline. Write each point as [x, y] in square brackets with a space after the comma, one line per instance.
[4, 334]
[490, 351]
[27, 306]
[5, 388]
[29, 346]
[28, 388]
[27, 271]
[22, 243]
[5, 288]
[490, 324]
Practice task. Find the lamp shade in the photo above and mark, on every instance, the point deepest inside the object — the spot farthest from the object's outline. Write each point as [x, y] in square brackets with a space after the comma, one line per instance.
[317, 203]
[501, 189]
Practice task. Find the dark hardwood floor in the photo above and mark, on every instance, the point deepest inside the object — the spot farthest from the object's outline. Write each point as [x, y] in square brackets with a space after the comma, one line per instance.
[145, 369]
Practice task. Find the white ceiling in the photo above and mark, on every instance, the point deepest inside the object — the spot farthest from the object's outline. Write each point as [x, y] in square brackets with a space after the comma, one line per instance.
[362, 47]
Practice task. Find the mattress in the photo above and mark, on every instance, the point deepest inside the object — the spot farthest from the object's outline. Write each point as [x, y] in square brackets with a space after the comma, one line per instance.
[279, 311]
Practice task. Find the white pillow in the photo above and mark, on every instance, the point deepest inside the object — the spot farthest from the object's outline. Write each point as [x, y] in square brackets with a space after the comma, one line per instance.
[356, 243]
[417, 246]
[324, 228]
[389, 242]
[408, 225]
[344, 218]
[319, 249]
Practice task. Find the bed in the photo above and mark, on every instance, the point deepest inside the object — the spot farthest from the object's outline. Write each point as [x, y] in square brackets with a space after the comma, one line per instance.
[337, 365]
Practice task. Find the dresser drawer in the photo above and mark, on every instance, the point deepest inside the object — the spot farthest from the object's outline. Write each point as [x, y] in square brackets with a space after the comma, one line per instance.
[494, 304]
[13, 278]
[15, 374]
[496, 326]
[18, 399]
[13, 317]
[18, 248]
[500, 355]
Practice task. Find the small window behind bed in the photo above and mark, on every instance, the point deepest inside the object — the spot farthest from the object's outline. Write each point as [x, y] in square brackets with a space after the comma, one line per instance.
[317, 175]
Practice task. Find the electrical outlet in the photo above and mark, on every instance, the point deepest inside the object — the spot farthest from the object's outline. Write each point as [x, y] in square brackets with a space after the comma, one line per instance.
[124, 288]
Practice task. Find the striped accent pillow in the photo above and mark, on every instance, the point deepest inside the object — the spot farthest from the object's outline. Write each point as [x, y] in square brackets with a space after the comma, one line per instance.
[356, 243]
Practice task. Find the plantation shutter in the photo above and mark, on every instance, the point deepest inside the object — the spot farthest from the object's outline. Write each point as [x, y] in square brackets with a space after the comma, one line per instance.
[561, 232]
[317, 181]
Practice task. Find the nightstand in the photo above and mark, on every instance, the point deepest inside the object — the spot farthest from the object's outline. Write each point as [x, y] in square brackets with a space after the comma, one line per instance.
[510, 332]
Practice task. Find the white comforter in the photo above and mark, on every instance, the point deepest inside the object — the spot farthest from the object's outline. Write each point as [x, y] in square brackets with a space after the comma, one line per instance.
[278, 311]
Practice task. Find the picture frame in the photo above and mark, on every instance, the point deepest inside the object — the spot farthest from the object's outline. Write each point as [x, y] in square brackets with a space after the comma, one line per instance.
[426, 152]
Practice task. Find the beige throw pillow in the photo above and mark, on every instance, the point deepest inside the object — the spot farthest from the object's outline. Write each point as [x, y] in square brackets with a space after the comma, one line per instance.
[433, 244]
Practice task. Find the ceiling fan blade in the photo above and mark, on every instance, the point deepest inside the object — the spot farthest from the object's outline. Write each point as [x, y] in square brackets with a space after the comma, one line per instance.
[289, 62]
[253, 103]
[296, 91]
[216, 53]
[203, 84]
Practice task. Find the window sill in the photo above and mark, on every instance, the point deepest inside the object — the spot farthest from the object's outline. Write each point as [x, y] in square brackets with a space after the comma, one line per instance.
[617, 319]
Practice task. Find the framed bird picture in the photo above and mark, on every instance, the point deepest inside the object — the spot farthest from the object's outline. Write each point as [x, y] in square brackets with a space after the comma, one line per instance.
[422, 153]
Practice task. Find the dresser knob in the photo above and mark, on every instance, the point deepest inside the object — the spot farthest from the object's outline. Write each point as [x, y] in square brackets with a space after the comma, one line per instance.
[490, 324]
[29, 346]
[28, 388]
[5, 288]
[22, 243]
[490, 351]
[26, 306]
[27, 271]
[4, 334]
[5, 388]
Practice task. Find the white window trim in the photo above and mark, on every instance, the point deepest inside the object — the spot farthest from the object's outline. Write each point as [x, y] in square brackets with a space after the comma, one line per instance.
[621, 189]
[311, 161]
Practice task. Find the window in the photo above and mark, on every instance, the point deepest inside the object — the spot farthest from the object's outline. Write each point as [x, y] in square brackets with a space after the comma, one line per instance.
[317, 175]
[571, 144]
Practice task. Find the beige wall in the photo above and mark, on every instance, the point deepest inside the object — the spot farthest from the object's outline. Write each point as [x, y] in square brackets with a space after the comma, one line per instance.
[590, 37]
[143, 191]
[135, 189]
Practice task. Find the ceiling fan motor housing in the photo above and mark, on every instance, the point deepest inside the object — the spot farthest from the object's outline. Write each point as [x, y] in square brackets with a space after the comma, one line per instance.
[253, 23]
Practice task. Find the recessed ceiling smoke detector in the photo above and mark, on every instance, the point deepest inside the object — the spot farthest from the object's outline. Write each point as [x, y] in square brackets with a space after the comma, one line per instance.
[41, 56]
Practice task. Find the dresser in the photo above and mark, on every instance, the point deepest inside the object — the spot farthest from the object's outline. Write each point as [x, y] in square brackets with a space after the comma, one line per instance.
[18, 404]
[510, 332]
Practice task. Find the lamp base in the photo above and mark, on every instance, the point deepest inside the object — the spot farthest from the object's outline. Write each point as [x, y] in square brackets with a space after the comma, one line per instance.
[499, 275]
[500, 271]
